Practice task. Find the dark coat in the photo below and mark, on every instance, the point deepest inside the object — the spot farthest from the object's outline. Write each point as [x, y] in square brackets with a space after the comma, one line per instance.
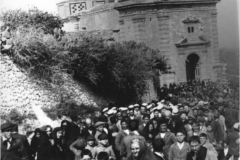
[24, 142]
[86, 133]
[231, 141]
[217, 131]
[231, 117]
[58, 145]
[15, 152]
[44, 148]
[72, 132]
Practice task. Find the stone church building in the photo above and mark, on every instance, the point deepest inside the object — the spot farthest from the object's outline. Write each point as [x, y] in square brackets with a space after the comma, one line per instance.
[185, 31]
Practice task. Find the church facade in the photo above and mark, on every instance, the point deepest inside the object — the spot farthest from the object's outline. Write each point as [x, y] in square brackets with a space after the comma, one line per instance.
[184, 31]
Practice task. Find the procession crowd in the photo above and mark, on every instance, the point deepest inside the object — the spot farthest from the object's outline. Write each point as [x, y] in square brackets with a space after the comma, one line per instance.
[190, 121]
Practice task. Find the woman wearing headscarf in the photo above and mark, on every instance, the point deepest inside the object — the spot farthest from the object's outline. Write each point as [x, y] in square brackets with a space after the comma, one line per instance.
[149, 133]
[58, 144]
[70, 134]
[44, 151]
[140, 151]
[34, 143]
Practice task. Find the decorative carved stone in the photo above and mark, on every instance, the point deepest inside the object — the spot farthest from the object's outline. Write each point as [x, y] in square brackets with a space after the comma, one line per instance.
[121, 22]
[190, 19]
[161, 18]
[135, 20]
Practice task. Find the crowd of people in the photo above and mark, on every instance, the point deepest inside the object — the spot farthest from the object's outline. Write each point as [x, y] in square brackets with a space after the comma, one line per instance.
[190, 121]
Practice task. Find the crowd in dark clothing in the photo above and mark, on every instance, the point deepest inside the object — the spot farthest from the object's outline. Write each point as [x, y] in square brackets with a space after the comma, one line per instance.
[190, 121]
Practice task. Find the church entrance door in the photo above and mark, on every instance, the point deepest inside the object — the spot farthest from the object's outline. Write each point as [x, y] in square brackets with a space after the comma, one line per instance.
[192, 67]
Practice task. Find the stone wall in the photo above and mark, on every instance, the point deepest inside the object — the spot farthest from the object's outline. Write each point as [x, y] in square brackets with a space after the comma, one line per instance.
[21, 92]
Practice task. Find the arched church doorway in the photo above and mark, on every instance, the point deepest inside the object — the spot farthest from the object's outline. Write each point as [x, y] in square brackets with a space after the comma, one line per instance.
[192, 67]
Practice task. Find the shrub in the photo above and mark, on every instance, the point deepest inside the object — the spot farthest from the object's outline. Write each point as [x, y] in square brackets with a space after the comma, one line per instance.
[33, 17]
[71, 109]
[14, 117]
[119, 70]
[39, 53]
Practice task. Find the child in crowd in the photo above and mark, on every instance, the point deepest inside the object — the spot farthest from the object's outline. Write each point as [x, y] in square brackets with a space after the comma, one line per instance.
[103, 146]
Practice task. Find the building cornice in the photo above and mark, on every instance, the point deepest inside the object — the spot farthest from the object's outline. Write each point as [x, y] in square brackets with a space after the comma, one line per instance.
[129, 5]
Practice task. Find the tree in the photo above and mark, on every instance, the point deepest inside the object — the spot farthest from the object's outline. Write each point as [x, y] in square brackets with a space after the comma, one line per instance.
[31, 18]
[119, 70]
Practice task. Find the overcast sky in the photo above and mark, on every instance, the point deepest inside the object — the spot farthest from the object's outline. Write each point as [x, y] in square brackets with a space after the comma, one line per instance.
[228, 19]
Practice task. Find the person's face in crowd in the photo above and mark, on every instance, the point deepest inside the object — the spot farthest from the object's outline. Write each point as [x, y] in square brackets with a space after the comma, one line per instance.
[195, 127]
[136, 110]
[81, 126]
[210, 117]
[203, 140]
[201, 123]
[131, 113]
[195, 146]
[150, 127]
[90, 143]
[143, 110]
[135, 148]
[48, 131]
[64, 126]
[119, 118]
[195, 113]
[100, 128]
[119, 114]
[183, 116]
[149, 144]
[7, 134]
[104, 142]
[180, 137]
[124, 125]
[37, 134]
[155, 124]
[148, 111]
[59, 134]
[163, 128]
[146, 120]
[209, 128]
[216, 114]
[88, 122]
[186, 108]
[168, 116]
[97, 113]
[180, 109]
[156, 113]
[190, 121]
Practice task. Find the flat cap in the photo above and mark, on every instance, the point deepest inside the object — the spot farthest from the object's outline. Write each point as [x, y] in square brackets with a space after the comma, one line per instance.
[99, 123]
[130, 107]
[103, 136]
[8, 127]
[105, 110]
[90, 138]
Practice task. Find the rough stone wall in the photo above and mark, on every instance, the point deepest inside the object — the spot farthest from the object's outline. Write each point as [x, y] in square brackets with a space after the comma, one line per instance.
[19, 91]
[102, 17]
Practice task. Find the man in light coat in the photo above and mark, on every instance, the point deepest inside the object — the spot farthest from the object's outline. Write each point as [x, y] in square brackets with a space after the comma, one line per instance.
[180, 149]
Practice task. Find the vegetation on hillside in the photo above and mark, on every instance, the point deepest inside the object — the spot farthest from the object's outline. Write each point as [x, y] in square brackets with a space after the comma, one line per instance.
[117, 70]
[33, 17]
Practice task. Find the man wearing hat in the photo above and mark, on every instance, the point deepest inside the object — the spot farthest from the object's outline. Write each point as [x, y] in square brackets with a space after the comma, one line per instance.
[99, 130]
[90, 143]
[103, 146]
[168, 137]
[11, 148]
